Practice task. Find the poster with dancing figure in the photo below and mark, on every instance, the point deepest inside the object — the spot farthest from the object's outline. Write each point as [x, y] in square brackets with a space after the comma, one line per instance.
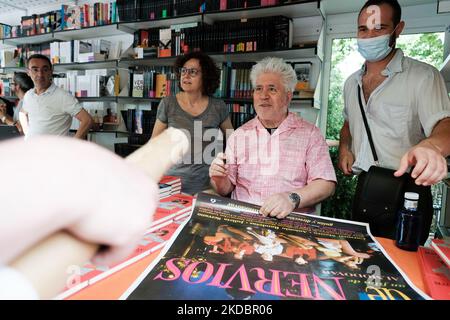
[228, 250]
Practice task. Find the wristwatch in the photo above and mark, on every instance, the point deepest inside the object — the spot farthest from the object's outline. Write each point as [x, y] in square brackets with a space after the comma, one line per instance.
[295, 198]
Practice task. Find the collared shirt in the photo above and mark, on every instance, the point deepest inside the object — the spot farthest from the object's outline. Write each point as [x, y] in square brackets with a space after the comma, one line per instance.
[51, 112]
[401, 112]
[261, 164]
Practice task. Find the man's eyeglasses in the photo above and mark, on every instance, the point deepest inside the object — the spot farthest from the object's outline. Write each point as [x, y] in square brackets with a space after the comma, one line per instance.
[191, 71]
[37, 70]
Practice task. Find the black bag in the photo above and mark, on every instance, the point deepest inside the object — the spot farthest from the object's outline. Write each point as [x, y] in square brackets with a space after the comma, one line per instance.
[379, 193]
[378, 198]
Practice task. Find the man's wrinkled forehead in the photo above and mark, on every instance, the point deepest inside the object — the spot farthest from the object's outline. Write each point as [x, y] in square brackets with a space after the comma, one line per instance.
[376, 16]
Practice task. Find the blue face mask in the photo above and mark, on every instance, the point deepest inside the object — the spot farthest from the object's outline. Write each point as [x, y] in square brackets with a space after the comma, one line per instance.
[375, 49]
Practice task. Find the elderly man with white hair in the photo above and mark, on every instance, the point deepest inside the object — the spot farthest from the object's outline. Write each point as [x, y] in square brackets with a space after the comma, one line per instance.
[276, 160]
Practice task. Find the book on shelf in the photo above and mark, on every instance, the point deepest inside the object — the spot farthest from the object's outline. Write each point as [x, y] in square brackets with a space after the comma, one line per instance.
[240, 113]
[112, 86]
[139, 128]
[83, 86]
[138, 85]
[71, 17]
[6, 31]
[157, 9]
[7, 58]
[65, 52]
[5, 87]
[165, 43]
[158, 81]
[87, 83]
[436, 275]
[235, 80]
[161, 85]
[66, 18]
[140, 121]
[302, 70]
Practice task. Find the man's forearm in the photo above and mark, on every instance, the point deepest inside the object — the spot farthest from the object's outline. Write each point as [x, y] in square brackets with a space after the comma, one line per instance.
[23, 120]
[440, 137]
[345, 138]
[223, 186]
[315, 192]
[83, 129]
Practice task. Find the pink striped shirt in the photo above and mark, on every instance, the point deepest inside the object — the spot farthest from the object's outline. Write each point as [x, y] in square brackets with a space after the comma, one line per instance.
[261, 164]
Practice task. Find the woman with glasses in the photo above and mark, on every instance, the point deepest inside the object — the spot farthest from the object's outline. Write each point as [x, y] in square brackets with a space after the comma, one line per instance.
[195, 111]
[20, 85]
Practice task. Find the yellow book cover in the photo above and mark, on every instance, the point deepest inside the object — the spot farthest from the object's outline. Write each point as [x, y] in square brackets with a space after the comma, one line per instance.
[161, 82]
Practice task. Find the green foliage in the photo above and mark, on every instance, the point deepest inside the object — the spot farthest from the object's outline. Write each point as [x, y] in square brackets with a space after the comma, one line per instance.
[341, 49]
[340, 204]
[428, 47]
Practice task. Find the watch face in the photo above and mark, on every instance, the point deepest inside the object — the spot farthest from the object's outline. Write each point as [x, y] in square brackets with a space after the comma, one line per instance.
[294, 197]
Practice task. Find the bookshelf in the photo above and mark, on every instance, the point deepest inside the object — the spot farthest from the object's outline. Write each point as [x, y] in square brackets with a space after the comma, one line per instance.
[107, 64]
[298, 9]
[308, 51]
[120, 99]
[131, 27]
[306, 9]
[60, 67]
[295, 9]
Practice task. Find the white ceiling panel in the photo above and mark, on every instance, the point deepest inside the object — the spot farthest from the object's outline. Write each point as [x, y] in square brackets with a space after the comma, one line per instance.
[30, 5]
[346, 6]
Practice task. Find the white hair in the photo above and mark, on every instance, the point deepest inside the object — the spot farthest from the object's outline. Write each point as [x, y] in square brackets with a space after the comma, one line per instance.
[275, 65]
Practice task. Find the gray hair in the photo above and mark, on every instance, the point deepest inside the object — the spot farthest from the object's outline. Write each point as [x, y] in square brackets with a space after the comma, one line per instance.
[275, 65]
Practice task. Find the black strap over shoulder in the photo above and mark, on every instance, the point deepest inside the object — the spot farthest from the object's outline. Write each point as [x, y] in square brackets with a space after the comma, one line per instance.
[366, 124]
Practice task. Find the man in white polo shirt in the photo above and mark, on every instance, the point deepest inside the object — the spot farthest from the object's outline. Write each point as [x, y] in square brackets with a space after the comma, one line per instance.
[48, 109]
[406, 104]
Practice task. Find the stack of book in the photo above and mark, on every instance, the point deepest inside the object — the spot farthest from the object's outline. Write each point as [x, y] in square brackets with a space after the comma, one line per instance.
[173, 182]
[173, 207]
[435, 262]
[153, 240]
[164, 190]
[170, 214]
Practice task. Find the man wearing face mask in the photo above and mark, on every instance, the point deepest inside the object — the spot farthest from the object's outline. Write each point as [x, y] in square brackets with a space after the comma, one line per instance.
[406, 105]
